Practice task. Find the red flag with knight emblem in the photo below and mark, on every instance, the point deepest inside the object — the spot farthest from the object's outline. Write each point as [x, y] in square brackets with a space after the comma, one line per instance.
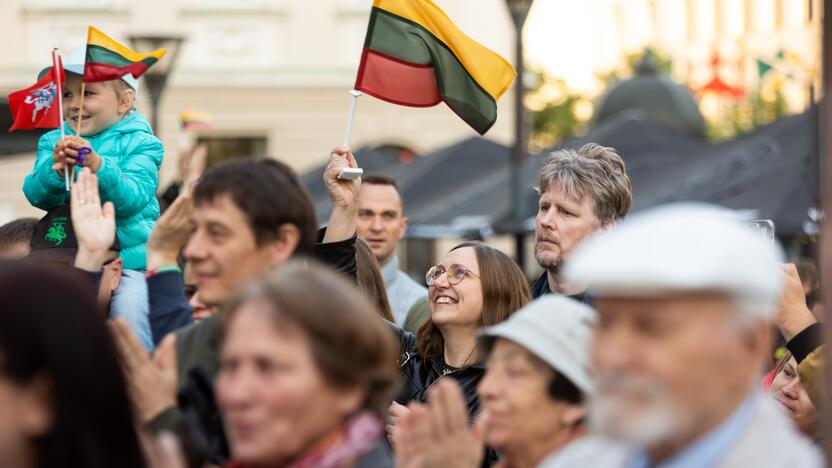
[37, 106]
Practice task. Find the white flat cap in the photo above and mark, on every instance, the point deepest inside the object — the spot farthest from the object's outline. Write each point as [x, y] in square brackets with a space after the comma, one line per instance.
[682, 248]
[554, 328]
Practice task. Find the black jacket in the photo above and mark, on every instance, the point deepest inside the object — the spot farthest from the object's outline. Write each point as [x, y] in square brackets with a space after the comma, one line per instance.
[419, 374]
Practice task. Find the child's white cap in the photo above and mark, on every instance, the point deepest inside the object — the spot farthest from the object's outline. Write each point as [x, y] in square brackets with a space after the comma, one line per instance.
[75, 63]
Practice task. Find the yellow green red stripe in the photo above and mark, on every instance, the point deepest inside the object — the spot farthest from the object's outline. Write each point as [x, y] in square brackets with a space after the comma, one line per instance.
[414, 55]
[109, 60]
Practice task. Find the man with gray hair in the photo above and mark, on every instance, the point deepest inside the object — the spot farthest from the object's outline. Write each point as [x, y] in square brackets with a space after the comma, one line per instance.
[684, 295]
[582, 192]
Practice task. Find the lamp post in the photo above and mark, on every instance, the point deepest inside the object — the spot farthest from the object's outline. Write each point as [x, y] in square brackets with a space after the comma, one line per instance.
[519, 10]
[156, 77]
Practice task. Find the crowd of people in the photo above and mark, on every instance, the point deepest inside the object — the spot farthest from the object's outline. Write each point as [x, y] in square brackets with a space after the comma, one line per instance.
[231, 331]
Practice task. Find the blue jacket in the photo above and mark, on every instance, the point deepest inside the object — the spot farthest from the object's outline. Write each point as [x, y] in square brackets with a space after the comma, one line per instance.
[128, 177]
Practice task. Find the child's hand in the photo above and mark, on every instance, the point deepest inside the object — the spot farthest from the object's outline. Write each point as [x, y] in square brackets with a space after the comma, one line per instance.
[79, 151]
[60, 158]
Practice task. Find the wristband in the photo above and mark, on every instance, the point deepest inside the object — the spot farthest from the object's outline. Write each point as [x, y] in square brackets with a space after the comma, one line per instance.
[162, 269]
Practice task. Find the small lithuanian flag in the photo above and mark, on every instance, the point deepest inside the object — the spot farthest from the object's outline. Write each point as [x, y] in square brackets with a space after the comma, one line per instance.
[109, 60]
[415, 56]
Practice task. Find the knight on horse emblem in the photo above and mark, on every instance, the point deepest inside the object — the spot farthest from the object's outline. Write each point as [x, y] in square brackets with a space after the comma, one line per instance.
[42, 98]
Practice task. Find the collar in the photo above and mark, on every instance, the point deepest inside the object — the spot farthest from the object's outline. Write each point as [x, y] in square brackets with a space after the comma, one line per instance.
[390, 270]
[709, 449]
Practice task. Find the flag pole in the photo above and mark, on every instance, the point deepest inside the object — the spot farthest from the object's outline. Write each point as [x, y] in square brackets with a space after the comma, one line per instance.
[351, 173]
[351, 116]
[60, 98]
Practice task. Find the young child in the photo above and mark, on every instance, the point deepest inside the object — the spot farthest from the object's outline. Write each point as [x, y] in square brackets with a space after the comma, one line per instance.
[121, 149]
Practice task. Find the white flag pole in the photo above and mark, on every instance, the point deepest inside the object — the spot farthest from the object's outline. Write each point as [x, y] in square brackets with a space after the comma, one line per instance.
[60, 98]
[351, 173]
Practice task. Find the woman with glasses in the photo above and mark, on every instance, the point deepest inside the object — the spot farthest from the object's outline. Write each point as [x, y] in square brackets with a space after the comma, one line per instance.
[474, 286]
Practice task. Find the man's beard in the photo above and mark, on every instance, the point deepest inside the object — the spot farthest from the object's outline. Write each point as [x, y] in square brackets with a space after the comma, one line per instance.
[548, 260]
[656, 421]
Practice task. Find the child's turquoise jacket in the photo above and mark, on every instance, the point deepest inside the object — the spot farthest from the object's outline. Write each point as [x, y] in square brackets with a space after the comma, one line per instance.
[128, 177]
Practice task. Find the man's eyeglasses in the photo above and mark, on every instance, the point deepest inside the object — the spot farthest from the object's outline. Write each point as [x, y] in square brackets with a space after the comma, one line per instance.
[456, 273]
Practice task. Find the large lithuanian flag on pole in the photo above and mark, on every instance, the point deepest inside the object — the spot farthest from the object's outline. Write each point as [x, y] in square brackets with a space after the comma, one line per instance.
[109, 60]
[414, 55]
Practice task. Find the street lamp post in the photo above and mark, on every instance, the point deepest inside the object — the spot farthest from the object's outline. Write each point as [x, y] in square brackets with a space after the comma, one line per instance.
[156, 77]
[519, 10]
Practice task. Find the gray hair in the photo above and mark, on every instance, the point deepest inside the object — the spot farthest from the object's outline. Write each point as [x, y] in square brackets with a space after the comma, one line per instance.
[593, 170]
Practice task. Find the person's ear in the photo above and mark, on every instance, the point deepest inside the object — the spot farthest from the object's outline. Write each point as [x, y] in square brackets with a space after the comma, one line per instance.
[403, 227]
[117, 267]
[350, 400]
[281, 249]
[606, 226]
[36, 410]
[757, 339]
[126, 99]
[572, 415]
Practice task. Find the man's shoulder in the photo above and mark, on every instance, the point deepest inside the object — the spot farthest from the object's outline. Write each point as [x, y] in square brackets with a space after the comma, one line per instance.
[410, 283]
[589, 451]
[196, 345]
[772, 441]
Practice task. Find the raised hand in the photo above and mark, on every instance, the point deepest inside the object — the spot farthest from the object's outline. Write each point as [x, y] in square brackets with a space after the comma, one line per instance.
[171, 233]
[151, 381]
[793, 315]
[94, 224]
[342, 193]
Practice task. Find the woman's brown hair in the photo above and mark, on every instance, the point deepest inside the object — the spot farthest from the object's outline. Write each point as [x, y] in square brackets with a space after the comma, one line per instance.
[369, 279]
[504, 291]
[350, 345]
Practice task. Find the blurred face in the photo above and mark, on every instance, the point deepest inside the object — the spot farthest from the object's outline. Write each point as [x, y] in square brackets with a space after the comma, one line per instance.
[380, 220]
[103, 106]
[670, 368]
[563, 221]
[790, 393]
[457, 305]
[514, 393]
[16, 251]
[274, 401]
[223, 251]
[110, 279]
[201, 311]
[24, 415]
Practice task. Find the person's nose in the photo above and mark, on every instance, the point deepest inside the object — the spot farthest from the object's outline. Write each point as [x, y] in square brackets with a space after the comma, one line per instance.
[196, 248]
[792, 389]
[376, 226]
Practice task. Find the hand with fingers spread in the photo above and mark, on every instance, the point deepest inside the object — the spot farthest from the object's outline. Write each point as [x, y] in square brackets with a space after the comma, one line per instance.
[395, 413]
[454, 442]
[411, 437]
[171, 233]
[195, 166]
[439, 434]
[151, 380]
[94, 224]
[163, 451]
[793, 315]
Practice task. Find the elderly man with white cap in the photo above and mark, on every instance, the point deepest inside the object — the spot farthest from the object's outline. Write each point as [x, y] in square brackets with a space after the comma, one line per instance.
[684, 295]
[532, 395]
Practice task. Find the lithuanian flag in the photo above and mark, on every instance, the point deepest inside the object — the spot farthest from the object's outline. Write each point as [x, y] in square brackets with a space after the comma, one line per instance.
[109, 60]
[415, 56]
